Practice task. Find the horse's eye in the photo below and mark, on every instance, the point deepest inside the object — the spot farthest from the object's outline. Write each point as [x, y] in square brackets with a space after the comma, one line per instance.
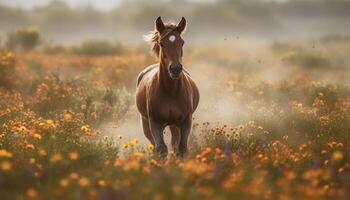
[161, 44]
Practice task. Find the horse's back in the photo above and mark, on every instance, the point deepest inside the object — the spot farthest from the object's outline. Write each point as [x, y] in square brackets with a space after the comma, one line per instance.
[144, 72]
[143, 80]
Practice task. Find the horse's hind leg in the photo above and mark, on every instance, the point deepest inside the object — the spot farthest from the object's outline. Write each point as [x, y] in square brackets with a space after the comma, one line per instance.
[147, 130]
[175, 138]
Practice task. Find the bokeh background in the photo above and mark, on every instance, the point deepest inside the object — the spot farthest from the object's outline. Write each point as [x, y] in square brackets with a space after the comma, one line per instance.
[210, 20]
[273, 120]
[228, 43]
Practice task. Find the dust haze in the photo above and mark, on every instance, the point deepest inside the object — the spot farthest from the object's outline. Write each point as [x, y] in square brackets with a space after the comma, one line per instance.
[241, 62]
[228, 42]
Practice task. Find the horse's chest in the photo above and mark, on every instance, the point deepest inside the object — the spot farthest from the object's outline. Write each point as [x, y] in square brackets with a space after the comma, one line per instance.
[170, 110]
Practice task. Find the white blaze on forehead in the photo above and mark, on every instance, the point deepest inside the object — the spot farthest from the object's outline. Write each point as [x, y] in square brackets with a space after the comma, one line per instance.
[172, 38]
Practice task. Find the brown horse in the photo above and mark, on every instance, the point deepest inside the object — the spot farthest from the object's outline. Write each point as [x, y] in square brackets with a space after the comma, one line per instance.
[166, 95]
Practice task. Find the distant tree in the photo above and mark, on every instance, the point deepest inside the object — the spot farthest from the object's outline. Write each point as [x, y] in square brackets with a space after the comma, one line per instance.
[97, 48]
[23, 39]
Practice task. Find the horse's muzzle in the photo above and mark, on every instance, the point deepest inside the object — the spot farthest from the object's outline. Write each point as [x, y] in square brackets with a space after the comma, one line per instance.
[175, 70]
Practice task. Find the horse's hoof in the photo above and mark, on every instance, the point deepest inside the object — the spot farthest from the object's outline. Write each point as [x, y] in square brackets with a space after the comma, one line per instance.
[182, 153]
[162, 151]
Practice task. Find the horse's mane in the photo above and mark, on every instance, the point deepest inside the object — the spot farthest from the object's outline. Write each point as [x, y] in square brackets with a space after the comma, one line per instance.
[154, 36]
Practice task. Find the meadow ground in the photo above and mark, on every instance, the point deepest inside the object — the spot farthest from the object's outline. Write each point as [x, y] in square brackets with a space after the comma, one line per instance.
[273, 123]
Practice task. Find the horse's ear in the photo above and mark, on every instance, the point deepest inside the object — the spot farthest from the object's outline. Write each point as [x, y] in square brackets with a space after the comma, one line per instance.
[159, 25]
[182, 25]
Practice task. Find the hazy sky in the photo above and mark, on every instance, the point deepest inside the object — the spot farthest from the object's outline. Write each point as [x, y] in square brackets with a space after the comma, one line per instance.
[100, 4]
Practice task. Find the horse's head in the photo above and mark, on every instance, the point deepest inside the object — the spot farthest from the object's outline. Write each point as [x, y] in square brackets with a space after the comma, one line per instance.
[170, 45]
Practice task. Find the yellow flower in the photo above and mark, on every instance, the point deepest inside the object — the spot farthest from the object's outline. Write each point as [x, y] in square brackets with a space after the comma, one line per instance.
[102, 183]
[37, 136]
[118, 163]
[84, 182]
[22, 129]
[340, 145]
[85, 128]
[131, 165]
[139, 154]
[340, 170]
[74, 155]
[32, 193]
[42, 152]
[154, 162]
[5, 166]
[64, 182]
[49, 124]
[83, 107]
[194, 168]
[73, 176]
[67, 117]
[324, 120]
[120, 136]
[125, 146]
[337, 156]
[30, 146]
[290, 175]
[147, 170]
[32, 160]
[133, 142]
[206, 152]
[4, 153]
[150, 147]
[158, 197]
[56, 157]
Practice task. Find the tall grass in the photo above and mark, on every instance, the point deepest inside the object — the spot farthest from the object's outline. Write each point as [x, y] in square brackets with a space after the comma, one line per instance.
[290, 141]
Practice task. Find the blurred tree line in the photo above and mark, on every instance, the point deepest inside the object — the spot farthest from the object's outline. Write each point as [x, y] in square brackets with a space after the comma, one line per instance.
[222, 18]
[27, 39]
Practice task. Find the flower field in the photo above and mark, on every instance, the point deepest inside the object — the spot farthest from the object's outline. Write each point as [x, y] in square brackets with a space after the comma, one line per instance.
[255, 135]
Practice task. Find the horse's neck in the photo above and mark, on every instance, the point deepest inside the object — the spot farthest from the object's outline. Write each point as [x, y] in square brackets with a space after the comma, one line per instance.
[166, 82]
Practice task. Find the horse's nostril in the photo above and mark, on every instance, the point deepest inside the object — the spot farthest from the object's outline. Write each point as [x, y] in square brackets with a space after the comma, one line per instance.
[176, 69]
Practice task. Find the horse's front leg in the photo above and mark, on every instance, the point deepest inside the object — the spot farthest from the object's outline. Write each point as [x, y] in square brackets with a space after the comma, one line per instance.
[185, 128]
[158, 136]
